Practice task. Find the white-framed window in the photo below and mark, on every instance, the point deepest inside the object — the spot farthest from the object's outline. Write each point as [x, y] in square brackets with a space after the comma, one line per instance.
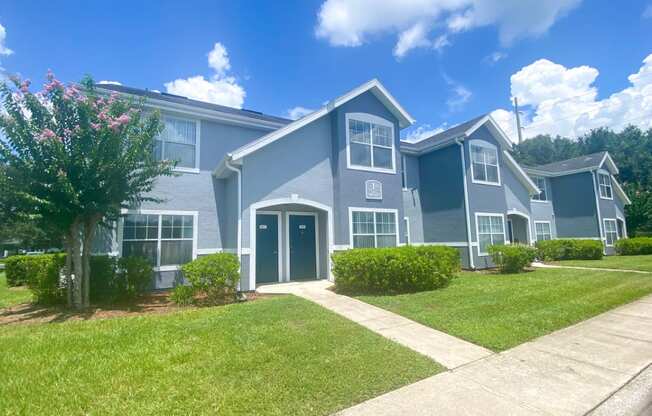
[373, 227]
[541, 184]
[610, 231]
[370, 143]
[484, 163]
[167, 239]
[179, 140]
[406, 225]
[542, 230]
[604, 182]
[490, 229]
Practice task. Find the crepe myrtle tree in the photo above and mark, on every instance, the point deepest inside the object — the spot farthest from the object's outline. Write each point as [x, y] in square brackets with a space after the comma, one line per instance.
[76, 157]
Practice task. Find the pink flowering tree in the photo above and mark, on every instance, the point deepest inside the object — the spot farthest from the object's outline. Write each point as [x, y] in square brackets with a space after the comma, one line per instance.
[75, 157]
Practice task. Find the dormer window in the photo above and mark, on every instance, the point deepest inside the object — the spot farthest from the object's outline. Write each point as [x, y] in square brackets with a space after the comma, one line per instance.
[370, 143]
[484, 163]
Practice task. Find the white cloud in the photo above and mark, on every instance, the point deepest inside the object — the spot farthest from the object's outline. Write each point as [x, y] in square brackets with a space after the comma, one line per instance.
[494, 57]
[4, 50]
[460, 95]
[354, 22]
[220, 88]
[563, 101]
[298, 112]
[105, 82]
[423, 132]
[647, 13]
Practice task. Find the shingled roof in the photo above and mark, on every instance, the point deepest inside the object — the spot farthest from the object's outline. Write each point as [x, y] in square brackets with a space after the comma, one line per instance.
[586, 162]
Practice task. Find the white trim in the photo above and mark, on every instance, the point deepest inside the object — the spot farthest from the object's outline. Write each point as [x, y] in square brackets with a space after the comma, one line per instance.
[486, 145]
[239, 229]
[372, 119]
[477, 229]
[469, 238]
[529, 237]
[602, 172]
[279, 242]
[521, 175]
[374, 210]
[620, 191]
[618, 217]
[374, 85]
[408, 237]
[288, 214]
[612, 165]
[493, 125]
[536, 237]
[404, 171]
[160, 212]
[283, 201]
[597, 204]
[615, 222]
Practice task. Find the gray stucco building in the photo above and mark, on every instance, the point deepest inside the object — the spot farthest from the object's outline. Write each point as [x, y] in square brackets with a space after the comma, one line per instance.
[283, 195]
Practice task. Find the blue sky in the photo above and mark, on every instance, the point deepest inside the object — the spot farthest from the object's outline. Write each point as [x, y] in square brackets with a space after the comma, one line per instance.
[435, 56]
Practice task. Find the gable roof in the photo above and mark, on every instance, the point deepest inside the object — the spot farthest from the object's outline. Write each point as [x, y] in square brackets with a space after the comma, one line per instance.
[461, 131]
[522, 177]
[374, 86]
[177, 102]
[576, 165]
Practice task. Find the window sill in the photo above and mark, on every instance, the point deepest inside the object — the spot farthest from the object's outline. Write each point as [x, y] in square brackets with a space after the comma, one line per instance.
[540, 201]
[369, 169]
[498, 184]
[167, 268]
[608, 199]
[186, 170]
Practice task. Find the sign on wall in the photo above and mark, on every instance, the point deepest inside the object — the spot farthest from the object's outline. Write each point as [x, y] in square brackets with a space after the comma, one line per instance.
[373, 189]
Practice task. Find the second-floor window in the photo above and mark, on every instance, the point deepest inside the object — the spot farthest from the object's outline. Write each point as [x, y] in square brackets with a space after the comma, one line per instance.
[484, 163]
[178, 141]
[605, 186]
[541, 184]
[370, 143]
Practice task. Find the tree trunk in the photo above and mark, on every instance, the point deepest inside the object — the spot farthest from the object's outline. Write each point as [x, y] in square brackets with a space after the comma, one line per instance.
[68, 267]
[77, 265]
[90, 224]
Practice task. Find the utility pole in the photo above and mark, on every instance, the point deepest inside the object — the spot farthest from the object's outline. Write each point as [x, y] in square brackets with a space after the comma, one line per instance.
[518, 121]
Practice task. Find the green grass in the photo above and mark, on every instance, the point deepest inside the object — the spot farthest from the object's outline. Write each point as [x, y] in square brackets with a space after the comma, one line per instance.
[281, 356]
[643, 263]
[502, 311]
[12, 295]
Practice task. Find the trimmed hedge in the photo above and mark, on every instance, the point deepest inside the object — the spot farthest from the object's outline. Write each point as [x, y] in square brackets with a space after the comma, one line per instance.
[394, 269]
[551, 250]
[512, 258]
[214, 275]
[634, 246]
[111, 279]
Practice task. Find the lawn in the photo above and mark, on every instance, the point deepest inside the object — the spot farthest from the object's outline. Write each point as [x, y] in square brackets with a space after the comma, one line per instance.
[280, 355]
[12, 295]
[502, 311]
[643, 263]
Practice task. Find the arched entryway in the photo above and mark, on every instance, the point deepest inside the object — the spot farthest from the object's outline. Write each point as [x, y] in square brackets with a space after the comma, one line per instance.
[518, 228]
[291, 240]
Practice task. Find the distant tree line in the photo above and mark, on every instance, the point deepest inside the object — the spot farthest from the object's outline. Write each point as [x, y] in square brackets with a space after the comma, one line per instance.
[631, 149]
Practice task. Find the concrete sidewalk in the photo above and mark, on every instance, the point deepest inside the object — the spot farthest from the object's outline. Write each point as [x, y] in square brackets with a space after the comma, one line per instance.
[569, 372]
[600, 269]
[447, 350]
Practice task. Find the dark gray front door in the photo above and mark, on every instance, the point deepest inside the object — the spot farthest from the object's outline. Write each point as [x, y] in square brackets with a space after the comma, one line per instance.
[303, 247]
[266, 248]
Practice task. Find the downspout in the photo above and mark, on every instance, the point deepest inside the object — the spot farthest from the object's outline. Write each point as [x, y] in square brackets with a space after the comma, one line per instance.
[239, 229]
[460, 142]
[597, 207]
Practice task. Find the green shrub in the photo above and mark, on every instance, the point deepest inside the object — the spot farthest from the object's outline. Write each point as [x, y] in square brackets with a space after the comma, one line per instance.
[394, 269]
[103, 279]
[570, 250]
[44, 278]
[134, 277]
[512, 258]
[215, 275]
[16, 270]
[183, 295]
[634, 246]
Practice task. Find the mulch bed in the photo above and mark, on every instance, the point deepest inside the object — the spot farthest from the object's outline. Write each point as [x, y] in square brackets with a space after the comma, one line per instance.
[151, 304]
